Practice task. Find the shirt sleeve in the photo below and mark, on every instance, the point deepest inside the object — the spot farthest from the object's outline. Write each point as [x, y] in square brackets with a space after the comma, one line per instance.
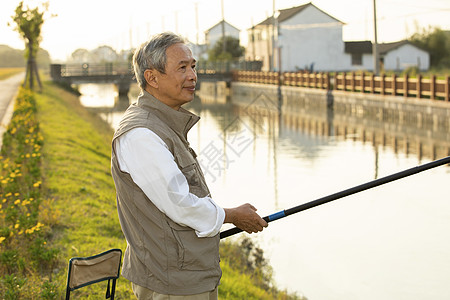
[144, 155]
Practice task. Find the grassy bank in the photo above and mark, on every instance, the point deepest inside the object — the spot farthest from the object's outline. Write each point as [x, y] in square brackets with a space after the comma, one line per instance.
[65, 187]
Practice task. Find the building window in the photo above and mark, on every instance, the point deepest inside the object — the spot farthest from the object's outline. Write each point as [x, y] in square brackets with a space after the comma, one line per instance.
[356, 59]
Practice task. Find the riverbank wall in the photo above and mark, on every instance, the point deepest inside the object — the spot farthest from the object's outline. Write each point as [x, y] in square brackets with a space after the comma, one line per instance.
[424, 113]
[408, 125]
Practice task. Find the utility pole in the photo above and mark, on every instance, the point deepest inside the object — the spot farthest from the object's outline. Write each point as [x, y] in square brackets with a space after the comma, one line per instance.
[196, 23]
[176, 22]
[376, 60]
[274, 21]
[131, 33]
[224, 42]
[253, 41]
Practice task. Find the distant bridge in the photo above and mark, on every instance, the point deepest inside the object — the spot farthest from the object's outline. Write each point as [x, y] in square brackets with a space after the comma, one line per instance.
[118, 74]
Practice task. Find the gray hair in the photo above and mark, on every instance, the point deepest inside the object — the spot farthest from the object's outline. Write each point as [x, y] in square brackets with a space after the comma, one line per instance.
[152, 55]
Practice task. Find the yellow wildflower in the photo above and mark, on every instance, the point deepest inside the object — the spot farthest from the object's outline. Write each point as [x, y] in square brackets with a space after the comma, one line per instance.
[17, 202]
[2, 238]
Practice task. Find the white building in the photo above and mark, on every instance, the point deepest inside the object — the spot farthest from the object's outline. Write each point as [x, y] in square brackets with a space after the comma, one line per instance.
[401, 55]
[308, 38]
[396, 56]
[215, 33]
[359, 55]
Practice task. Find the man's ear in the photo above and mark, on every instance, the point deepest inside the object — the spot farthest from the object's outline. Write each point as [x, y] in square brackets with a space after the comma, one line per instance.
[150, 78]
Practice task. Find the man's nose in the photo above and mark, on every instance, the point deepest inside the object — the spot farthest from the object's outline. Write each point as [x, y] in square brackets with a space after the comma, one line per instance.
[192, 74]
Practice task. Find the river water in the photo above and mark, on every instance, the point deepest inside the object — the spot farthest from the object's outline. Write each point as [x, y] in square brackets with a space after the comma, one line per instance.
[389, 242]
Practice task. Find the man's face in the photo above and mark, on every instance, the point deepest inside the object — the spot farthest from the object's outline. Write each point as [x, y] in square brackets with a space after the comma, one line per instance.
[177, 86]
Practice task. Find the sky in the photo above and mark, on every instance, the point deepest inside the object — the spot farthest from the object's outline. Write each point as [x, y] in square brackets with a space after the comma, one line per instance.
[88, 24]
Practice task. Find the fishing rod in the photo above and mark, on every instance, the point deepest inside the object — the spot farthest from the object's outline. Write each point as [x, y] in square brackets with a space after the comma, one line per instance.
[344, 193]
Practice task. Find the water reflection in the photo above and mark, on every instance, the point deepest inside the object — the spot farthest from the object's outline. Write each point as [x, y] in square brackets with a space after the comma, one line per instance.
[261, 114]
[386, 243]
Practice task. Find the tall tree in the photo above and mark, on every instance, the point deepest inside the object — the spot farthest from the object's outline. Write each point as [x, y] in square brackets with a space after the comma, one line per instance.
[437, 43]
[232, 49]
[28, 24]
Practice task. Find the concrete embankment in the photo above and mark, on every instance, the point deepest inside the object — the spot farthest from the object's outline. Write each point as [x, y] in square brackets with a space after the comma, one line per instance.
[424, 113]
[409, 125]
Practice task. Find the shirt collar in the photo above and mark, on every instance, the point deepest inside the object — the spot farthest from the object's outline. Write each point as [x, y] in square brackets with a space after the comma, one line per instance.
[180, 121]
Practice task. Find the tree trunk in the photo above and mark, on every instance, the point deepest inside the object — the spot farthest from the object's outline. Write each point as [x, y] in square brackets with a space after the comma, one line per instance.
[30, 65]
[35, 68]
[26, 75]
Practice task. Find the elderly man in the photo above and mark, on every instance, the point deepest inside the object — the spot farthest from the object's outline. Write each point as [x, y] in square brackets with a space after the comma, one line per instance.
[169, 220]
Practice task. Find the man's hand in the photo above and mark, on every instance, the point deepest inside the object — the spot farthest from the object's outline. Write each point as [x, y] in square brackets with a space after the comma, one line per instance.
[245, 218]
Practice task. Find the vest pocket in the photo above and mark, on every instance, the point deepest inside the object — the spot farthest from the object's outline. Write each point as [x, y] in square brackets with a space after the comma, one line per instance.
[188, 167]
[194, 253]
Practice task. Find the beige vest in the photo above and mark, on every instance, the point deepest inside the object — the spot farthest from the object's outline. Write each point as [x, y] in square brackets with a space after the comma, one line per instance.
[162, 255]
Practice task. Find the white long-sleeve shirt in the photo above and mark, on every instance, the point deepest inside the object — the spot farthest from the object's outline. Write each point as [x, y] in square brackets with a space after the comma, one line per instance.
[144, 155]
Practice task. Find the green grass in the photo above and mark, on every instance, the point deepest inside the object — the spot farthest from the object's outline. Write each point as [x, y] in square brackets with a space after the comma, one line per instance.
[58, 202]
[78, 183]
[76, 174]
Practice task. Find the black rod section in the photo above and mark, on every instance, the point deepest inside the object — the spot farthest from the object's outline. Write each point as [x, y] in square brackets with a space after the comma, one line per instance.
[344, 193]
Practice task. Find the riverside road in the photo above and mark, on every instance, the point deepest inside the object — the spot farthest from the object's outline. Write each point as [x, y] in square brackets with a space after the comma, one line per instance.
[8, 91]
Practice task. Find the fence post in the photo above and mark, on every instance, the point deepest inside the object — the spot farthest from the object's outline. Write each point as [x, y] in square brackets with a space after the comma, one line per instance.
[394, 84]
[328, 81]
[372, 83]
[405, 85]
[419, 85]
[433, 87]
[363, 87]
[447, 88]
[382, 84]
[344, 81]
[352, 81]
